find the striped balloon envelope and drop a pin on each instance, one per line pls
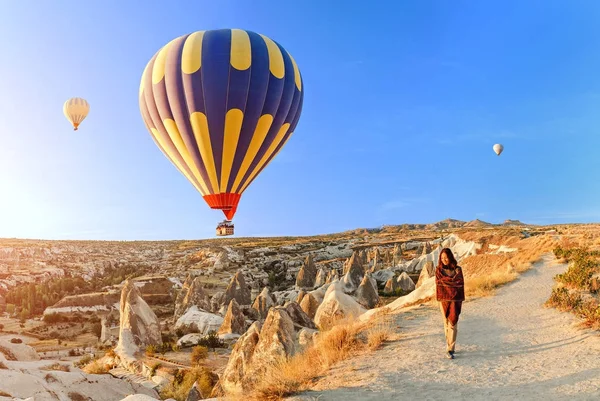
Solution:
(220, 105)
(76, 110)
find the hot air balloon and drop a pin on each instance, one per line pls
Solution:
(498, 148)
(76, 109)
(220, 104)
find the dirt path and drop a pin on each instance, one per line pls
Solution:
(509, 347)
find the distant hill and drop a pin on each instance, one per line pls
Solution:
(445, 224)
(509, 222)
(477, 223)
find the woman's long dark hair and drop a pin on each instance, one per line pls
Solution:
(451, 258)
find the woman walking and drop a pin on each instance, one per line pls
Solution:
(450, 292)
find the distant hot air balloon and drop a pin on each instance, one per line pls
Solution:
(76, 109)
(220, 105)
(498, 148)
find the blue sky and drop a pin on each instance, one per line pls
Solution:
(403, 103)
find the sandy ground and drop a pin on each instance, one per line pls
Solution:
(509, 347)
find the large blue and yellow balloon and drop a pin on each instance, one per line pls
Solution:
(220, 105)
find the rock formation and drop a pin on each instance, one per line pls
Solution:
(366, 294)
(354, 275)
(139, 325)
(321, 278)
(336, 305)
(427, 272)
(199, 321)
(263, 302)
(260, 347)
(309, 305)
(307, 275)
(192, 293)
(238, 290)
(234, 321)
(406, 283)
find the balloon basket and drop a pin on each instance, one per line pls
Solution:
(225, 228)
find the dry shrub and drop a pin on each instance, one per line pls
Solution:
(378, 335)
(183, 381)
(4, 394)
(96, 368)
(485, 285)
(57, 366)
(486, 272)
(295, 374)
(199, 353)
(3, 366)
(77, 397)
(50, 378)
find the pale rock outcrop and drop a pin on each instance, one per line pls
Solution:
(304, 280)
(238, 290)
(309, 305)
(301, 295)
(319, 293)
(405, 283)
(17, 351)
(377, 258)
(199, 320)
(428, 271)
(397, 255)
(240, 360)
(307, 274)
(354, 275)
(217, 300)
(382, 276)
(336, 305)
(192, 294)
(332, 276)
(234, 321)
(307, 336)
(321, 277)
(363, 257)
(30, 381)
(263, 302)
(222, 262)
(299, 317)
(353, 260)
(366, 294)
(260, 347)
(139, 326)
(426, 248)
(377, 265)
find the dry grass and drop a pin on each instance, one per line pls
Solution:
(96, 368)
(486, 272)
(3, 366)
(57, 366)
(342, 341)
(377, 336)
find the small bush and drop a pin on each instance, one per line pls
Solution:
(211, 341)
(583, 265)
(2, 365)
(96, 368)
(150, 350)
(58, 367)
(83, 361)
(154, 367)
(183, 381)
(16, 340)
(199, 353)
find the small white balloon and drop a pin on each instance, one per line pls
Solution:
(498, 148)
